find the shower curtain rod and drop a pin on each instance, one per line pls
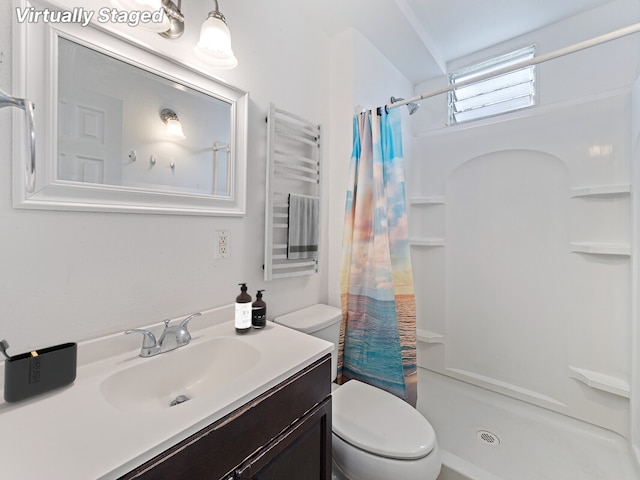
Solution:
(607, 37)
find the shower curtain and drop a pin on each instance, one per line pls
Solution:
(378, 331)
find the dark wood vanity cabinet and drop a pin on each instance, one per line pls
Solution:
(284, 434)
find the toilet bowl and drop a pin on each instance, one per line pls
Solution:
(376, 435)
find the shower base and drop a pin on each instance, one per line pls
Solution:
(484, 435)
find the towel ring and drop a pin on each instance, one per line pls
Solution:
(28, 106)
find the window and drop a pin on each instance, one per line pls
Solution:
(501, 94)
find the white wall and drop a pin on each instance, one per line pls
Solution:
(521, 312)
(360, 76)
(70, 276)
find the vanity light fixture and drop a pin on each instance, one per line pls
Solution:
(176, 19)
(214, 46)
(174, 127)
(172, 24)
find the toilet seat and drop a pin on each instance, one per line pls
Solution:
(380, 423)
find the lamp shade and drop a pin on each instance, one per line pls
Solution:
(214, 46)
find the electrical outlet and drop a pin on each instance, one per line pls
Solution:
(222, 244)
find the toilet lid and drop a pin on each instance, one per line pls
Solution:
(311, 319)
(380, 423)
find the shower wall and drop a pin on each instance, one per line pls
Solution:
(523, 229)
(635, 310)
(521, 238)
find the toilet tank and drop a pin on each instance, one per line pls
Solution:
(321, 321)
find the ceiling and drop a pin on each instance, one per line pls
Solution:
(421, 36)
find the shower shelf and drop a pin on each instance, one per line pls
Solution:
(601, 248)
(427, 336)
(428, 201)
(601, 191)
(600, 381)
(427, 242)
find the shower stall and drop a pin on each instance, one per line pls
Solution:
(522, 263)
(522, 233)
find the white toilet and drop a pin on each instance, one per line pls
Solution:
(376, 435)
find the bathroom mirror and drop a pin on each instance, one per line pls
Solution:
(119, 128)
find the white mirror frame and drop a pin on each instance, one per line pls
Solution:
(35, 78)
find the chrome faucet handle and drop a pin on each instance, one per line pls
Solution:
(184, 322)
(183, 337)
(149, 340)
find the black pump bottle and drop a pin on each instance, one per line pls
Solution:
(259, 311)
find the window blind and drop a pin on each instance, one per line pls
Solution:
(501, 94)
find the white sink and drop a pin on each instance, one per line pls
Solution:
(190, 371)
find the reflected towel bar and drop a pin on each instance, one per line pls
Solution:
(28, 106)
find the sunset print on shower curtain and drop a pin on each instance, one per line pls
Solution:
(378, 333)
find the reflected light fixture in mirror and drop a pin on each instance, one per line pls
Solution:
(214, 46)
(174, 127)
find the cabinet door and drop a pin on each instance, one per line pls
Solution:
(302, 452)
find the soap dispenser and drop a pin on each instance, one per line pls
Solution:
(259, 311)
(243, 310)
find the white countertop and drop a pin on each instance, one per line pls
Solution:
(76, 433)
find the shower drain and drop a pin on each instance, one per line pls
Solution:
(488, 438)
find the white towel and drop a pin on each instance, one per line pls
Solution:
(304, 217)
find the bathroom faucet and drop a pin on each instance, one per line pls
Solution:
(171, 338)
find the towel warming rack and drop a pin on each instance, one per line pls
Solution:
(294, 157)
